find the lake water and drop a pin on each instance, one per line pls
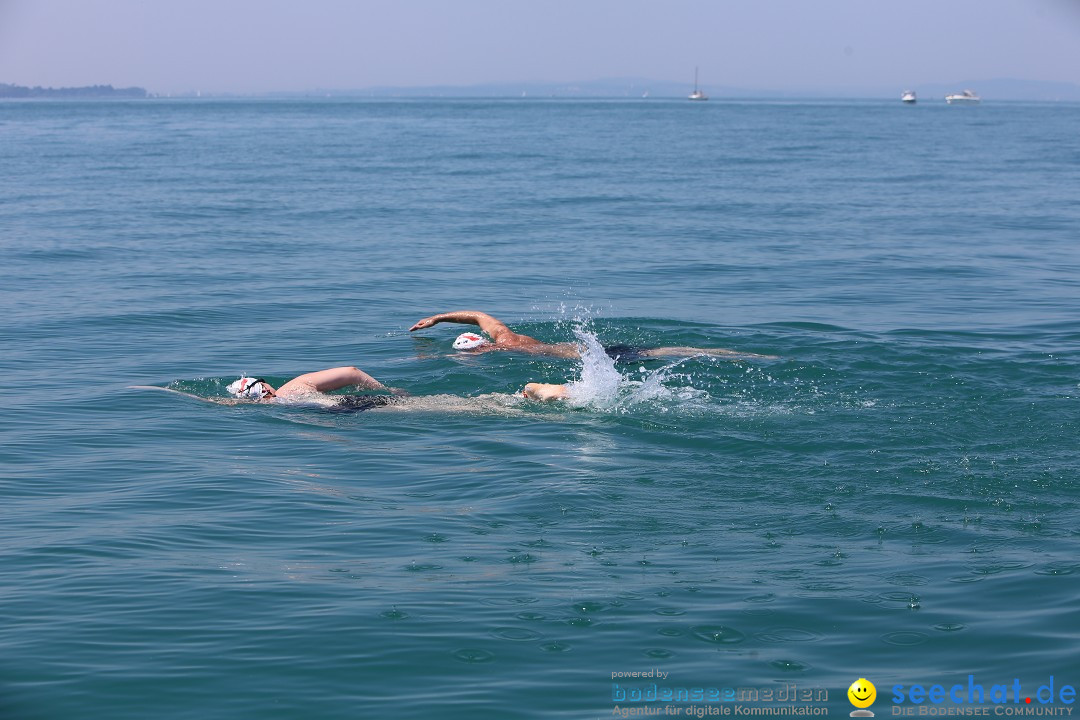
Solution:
(896, 497)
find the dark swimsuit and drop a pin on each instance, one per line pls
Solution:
(626, 353)
(360, 403)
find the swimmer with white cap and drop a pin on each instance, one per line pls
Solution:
(503, 338)
(304, 386)
(324, 381)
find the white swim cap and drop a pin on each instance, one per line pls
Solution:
(251, 388)
(469, 341)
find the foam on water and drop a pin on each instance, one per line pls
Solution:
(487, 404)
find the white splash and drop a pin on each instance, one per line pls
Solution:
(599, 382)
(601, 386)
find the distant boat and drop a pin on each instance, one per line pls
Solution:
(908, 97)
(968, 97)
(697, 94)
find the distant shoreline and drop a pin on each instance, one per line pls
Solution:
(90, 91)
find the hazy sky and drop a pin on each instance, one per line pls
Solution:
(171, 46)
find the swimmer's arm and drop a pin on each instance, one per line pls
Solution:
(497, 329)
(332, 379)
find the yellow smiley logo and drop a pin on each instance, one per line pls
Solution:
(862, 693)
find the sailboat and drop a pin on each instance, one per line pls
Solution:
(697, 94)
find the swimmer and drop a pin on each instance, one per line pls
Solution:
(312, 386)
(500, 337)
(336, 378)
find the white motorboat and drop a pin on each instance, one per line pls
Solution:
(697, 94)
(908, 97)
(968, 97)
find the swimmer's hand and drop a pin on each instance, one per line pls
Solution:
(545, 392)
(400, 392)
(425, 323)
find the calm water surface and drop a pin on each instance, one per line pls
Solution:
(895, 497)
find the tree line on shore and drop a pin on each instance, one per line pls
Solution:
(90, 91)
